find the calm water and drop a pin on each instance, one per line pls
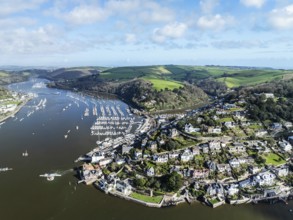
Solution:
(24, 195)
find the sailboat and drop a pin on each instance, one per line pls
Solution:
(25, 154)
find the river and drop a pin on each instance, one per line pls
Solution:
(25, 195)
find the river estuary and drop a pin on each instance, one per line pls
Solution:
(25, 195)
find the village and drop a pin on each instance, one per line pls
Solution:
(215, 154)
(11, 103)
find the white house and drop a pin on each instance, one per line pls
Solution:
(265, 179)
(190, 129)
(237, 148)
(195, 150)
(173, 155)
(285, 145)
(97, 157)
(123, 187)
(232, 189)
(186, 156)
(269, 95)
(223, 168)
(229, 124)
(234, 163)
(150, 172)
(162, 158)
(138, 154)
(282, 171)
(288, 124)
(215, 146)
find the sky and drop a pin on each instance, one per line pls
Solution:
(146, 32)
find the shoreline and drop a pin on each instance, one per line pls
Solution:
(19, 107)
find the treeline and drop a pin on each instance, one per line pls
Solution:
(212, 87)
(4, 93)
(262, 108)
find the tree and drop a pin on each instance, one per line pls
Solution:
(170, 145)
(173, 182)
(139, 182)
(260, 160)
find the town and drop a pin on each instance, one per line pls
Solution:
(215, 154)
(11, 103)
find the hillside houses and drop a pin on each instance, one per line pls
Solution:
(215, 146)
(285, 146)
(215, 130)
(190, 129)
(237, 148)
(186, 156)
(214, 151)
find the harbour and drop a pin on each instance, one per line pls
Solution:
(41, 135)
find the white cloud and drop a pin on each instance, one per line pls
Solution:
(282, 18)
(253, 3)
(130, 38)
(122, 6)
(86, 14)
(215, 22)
(157, 14)
(207, 6)
(42, 40)
(14, 6)
(131, 10)
(173, 30)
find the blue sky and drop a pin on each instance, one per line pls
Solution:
(146, 32)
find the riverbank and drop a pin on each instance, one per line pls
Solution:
(13, 113)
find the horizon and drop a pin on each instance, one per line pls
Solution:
(251, 33)
(11, 67)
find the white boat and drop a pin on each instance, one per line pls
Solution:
(25, 154)
(50, 176)
(5, 169)
(65, 136)
(76, 127)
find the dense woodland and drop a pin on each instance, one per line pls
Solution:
(139, 92)
(262, 108)
(212, 87)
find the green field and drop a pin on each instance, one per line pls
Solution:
(154, 199)
(161, 84)
(231, 76)
(253, 77)
(225, 120)
(3, 74)
(274, 159)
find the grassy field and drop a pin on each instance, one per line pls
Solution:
(252, 77)
(225, 120)
(231, 76)
(154, 199)
(274, 159)
(161, 84)
(3, 74)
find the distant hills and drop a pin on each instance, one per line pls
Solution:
(231, 76)
(157, 87)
